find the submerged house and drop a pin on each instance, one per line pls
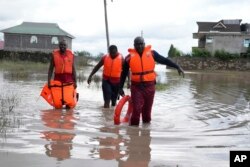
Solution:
(32, 37)
(228, 35)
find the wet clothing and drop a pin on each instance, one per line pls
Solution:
(112, 67)
(110, 91)
(142, 67)
(142, 92)
(142, 97)
(63, 66)
(111, 78)
(64, 78)
(110, 72)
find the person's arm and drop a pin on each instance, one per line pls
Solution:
(163, 60)
(50, 71)
(128, 83)
(74, 76)
(125, 70)
(96, 68)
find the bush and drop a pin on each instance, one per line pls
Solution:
(196, 52)
(25, 56)
(225, 56)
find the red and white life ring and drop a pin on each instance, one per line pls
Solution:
(118, 109)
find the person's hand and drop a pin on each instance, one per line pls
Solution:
(89, 80)
(181, 72)
(128, 85)
(75, 85)
(49, 85)
(121, 92)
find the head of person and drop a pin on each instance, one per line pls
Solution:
(62, 46)
(139, 44)
(113, 51)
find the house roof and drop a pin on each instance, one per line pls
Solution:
(37, 28)
(221, 26)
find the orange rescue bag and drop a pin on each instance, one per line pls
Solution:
(60, 94)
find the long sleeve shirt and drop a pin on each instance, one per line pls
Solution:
(157, 57)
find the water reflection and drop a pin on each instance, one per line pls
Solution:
(196, 121)
(130, 150)
(222, 102)
(129, 146)
(220, 88)
(109, 147)
(59, 133)
(138, 151)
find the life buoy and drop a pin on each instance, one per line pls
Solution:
(118, 110)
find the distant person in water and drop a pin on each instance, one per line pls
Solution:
(112, 63)
(141, 62)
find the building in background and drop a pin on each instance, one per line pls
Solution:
(1, 45)
(228, 35)
(35, 37)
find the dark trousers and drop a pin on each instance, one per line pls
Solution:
(142, 98)
(110, 92)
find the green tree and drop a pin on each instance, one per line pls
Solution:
(173, 52)
(83, 53)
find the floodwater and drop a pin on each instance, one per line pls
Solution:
(196, 121)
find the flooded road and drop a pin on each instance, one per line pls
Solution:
(196, 121)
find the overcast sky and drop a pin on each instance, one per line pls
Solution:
(162, 22)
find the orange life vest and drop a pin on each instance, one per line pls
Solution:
(60, 94)
(63, 63)
(112, 67)
(142, 67)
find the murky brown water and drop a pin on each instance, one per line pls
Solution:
(196, 122)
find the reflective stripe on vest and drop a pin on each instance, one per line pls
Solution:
(142, 67)
(63, 63)
(112, 67)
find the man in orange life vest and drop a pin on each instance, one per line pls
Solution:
(63, 62)
(141, 61)
(112, 63)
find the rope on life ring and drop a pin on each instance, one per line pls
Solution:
(118, 110)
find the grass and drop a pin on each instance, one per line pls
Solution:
(23, 66)
(161, 86)
(8, 119)
(81, 77)
(22, 69)
(97, 79)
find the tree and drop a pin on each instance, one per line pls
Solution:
(83, 53)
(173, 52)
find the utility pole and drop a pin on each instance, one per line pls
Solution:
(106, 22)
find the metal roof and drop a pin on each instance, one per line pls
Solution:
(221, 26)
(37, 28)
